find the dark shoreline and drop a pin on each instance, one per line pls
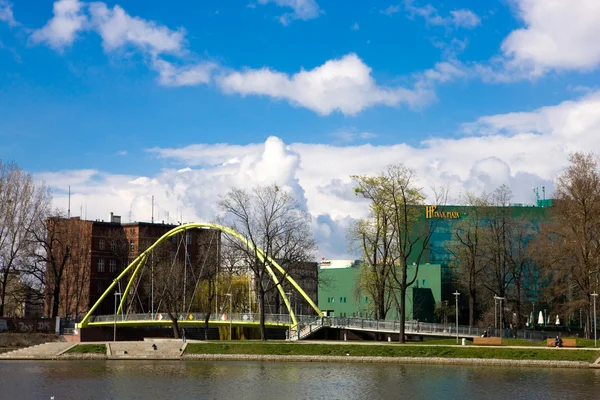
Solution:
(326, 359)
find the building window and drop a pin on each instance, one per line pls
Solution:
(424, 282)
(112, 264)
(188, 238)
(188, 258)
(101, 244)
(113, 245)
(341, 299)
(131, 245)
(101, 265)
(344, 299)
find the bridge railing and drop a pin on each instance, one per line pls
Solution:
(409, 326)
(307, 322)
(237, 317)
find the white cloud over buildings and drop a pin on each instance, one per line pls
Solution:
(521, 150)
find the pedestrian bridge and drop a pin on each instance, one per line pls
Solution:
(306, 324)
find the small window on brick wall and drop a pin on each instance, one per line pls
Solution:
(112, 265)
(101, 265)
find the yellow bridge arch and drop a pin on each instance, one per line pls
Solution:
(139, 261)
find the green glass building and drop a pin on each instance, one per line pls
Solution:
(337, 278)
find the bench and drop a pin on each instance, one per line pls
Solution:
(487, 341)
(565, 342)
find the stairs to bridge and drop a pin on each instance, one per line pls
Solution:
(40, 351)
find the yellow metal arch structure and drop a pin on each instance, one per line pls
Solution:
(139, 261)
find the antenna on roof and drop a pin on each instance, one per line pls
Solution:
(69, 210)
(544, 192)
(537, 194)
(152, 209)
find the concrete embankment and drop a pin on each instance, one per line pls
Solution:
(391, 360)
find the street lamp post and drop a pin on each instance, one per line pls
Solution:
(456, 294)
(117, 294)
(289, 294)
(499, 312)
(594, 295)
(230, 315)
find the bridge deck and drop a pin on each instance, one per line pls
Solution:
(306, 324)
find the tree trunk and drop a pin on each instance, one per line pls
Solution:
(174, 325)
(471, 308)
(3, 294)
(56, 299)
(403, 305)
(381, 311)
(263, 329)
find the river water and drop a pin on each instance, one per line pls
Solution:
(237, 380)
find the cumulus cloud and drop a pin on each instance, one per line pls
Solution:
(521, 150)
(61, 30)
(557, 35)
(302, 9)
(6, 13)
(344, 85)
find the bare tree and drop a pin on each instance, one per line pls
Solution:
(272, 220)
(59, 262)
(22, 204)
(467, 250)
(571, 241)
(373, 237)
(394, 192)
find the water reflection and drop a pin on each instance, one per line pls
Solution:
(260, 380)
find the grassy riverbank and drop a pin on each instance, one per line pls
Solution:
(88, 349)
(289, 349)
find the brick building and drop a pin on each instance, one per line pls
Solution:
(98, 252)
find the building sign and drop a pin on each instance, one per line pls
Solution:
(430, 212)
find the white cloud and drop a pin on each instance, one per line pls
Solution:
(355, 26)
(462, 18)
(118, 29)
(6, 13)
(187, 75)
(442, 72)
(521, 150)
(303, 9)
(557, 35)
(62, 29)
(465, 18)
(344, 85)
(393, 9)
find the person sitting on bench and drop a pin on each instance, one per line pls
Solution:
(557, 341)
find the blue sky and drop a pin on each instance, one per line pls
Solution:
(113, 98)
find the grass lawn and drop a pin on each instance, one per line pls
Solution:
(260, 348)
(88, 349)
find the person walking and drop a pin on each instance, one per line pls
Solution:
(183, 334)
